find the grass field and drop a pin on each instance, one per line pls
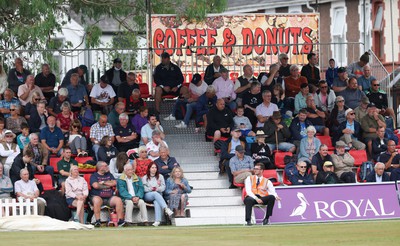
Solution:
(345, 233)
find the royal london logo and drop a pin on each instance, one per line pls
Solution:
(301, 209)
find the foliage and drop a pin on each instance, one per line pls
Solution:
(32, 24)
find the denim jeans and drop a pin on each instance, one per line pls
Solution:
(159, 203)
(189, 111)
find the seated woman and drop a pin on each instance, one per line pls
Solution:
(38, 118)
(134, 103)
(154, 186)
(260, 151)
(309, 146)
(300, 98)
(65, 118)
(140, 119)
(76, 192)
(142, 162)
(285, 105)
(117, 164)
(15, 121)
(106, 151)
(76, 141)
(31, 106)
(176, 192)
(337, 115)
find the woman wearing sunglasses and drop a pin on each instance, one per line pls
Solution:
(76, 141)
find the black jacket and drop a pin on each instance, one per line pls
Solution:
(16, 167)
(306, 72)
(372, 178)
(295, 128)
(168, 76)
(209, 73)
(110, 77)
(357, 130)
(219, 119)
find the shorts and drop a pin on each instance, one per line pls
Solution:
(245, 132)
(171, 93)
(70, 201)
(106, 200)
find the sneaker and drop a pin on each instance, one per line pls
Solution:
(170, 117)
(121, 223)
(266, 221)
(80, 154)
(196, 130)
(85, 154)
(169, 212)
(181, 125)
(157, 223)
(248, 223)
(97, 223)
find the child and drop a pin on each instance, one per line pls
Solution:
(23, 138)
(243, 123)
(331, 73)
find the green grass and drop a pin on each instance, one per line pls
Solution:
(344, 233)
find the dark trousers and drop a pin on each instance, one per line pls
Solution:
(348, 177)
(249, 202)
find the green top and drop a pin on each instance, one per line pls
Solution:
(64, 165)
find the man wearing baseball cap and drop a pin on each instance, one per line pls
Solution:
(241, 166)
(116, 75)
(327, 176)
(340, 83)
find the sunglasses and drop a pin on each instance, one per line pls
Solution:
(37, 99)
(324, 87)
(12, 109)
(143, 152)
(302, 166)
(340, 101)
(351, 113)
(376, 85)
(285, 58)
(257, 169)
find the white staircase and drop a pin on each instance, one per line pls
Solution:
(211, 202)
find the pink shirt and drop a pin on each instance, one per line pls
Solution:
(75, 187)
(224, 88)
(23, 88)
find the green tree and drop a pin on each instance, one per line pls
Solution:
(31, 24)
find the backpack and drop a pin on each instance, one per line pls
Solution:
(56, 206)
(366, 168)
(86, 117)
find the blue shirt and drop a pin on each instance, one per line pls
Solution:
(52, 138)
(104, 193)
(75, 94)
(6, 105)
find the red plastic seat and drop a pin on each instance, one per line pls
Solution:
(279, 156)
(83, 159)
(359, 156)
(358, 175)
(46, 181)
(53, 162)
(86, 131)
(272, 174)
(144, 90)
(237, 184)
(87, 176)
(326, 140)
(286, 181)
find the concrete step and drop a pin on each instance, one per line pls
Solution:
(203, 176)
(228, 220)
(197, 167)
(210, 184)
(214, 193)
(221, 211)
(215, 201)
(197, 159)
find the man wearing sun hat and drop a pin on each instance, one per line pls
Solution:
(327, 176)
(278, 133)
(8, 151)
(349, 131)
(260, 151)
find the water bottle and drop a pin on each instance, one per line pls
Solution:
(279, 205)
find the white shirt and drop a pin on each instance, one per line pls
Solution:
(263, 110)
(270, 187)
(9, 153)
(151, 146)
(24, 88)
(198, 90)
(27, 188)
(102, 94)
(378, 178)
(130, 186)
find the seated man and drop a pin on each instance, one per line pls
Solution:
(243, 83)
(379, 144)
(102, 96)
(259, 190)
(6, 186)
(125, 134)
(169, 79)
(17, 76)
(224, 88)
(319, 159)
(379, 98)
(344, 163)
(40, 156)
(327, 175)
(126, 89)
(364, 81)
(378, 175)
(63, 167)
(310, 71)
(98, 131)
(277, 131)
(213, 71)
(147, 130)
(350, 131)
(325, 97)
(391, 159)
(54, 107)
(113, 116)
(25, 91)
(101, 193)
(23, 160)
(340, 83)
(77, 94)
(165, 162)
(362, 110)
(131, 191)
(219, 121)
(116, 75)
(265, 109)
(301, 177)
(26, 188)
(352, 94)
(369, 124)
(240, 167)
(251, 99)
(204, 104)
(80, 75)
(46, 80)
(7, 102)
(8, 150)
(153, 147)
(316, 116)
(52, 137)
(134, 103)
(298, 127)
(228, 149)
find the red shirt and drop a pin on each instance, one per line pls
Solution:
(141, 167)
(64, 122)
